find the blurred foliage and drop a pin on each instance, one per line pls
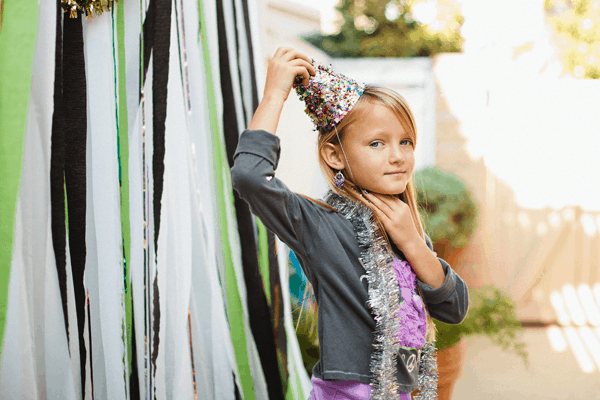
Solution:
(305, 317)
(396, 28)
(577, 23)
(492, 314)
(445, 203)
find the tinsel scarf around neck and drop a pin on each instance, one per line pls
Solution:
(384, 300)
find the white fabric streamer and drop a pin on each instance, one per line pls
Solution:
(175, 247)
(104, 266)
(243, 58)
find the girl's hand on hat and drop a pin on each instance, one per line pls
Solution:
(283, 69)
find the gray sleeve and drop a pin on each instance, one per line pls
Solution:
(448, 303)
(253, 177)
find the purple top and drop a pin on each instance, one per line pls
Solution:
(344, 390)
(413, 320)
(411, 333)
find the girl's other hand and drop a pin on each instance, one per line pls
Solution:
(283, 69)
(396, 218)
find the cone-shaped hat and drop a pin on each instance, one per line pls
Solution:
(329, 96)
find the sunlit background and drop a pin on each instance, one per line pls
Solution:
(514, 115)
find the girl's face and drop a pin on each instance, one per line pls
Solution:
(379, 150)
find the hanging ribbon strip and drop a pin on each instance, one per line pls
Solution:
(68, 166)
(123, 156)
(157, 37)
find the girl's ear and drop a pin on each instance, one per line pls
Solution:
(332, 156)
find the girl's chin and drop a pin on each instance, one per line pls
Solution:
(391, 189)
(388, 192)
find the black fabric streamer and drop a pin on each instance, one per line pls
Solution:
(156, 324)
(57, 170)
(258, 308)
(68, 166)
(251, 55)
(160, 68)
(230, 122)
(239, 71)
(157, 42)
(148, 37)
(75, 129)
(134, 383)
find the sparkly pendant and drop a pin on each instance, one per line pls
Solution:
(339, 179)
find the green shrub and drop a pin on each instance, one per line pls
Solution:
(396, 28)
(492, 314)
(446, 207)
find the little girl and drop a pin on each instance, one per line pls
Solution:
(375, 277)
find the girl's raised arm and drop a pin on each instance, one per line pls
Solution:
(283, 69)
(257, 154)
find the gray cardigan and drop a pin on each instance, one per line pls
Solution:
(325, 244)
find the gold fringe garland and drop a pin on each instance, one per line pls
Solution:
(91, 8)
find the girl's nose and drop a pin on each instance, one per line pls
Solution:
(396, 155)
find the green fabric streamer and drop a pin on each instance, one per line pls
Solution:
(17, 44)
(224, 193)
(263, 258)
(123, 143)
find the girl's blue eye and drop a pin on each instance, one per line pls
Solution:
(375, 144)
(406, 142)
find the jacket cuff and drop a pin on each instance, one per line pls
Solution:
(260, 143)
(436, 296)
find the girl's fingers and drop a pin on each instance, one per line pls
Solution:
(295, 55)
(376, 210)
(377, 201)
(391, 201)
(302, 63)
(289, 55)
(379, 213)
(304, 72)
(303, 57)
(281, 51)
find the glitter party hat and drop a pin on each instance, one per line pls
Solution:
(328, 96)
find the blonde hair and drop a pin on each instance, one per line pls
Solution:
(373, 95)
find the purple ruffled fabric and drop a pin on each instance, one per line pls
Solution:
(344, 390)
(413, 320)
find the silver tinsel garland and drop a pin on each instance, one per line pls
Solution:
(377, 257)
(428, 373)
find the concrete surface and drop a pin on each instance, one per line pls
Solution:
(492, 374)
